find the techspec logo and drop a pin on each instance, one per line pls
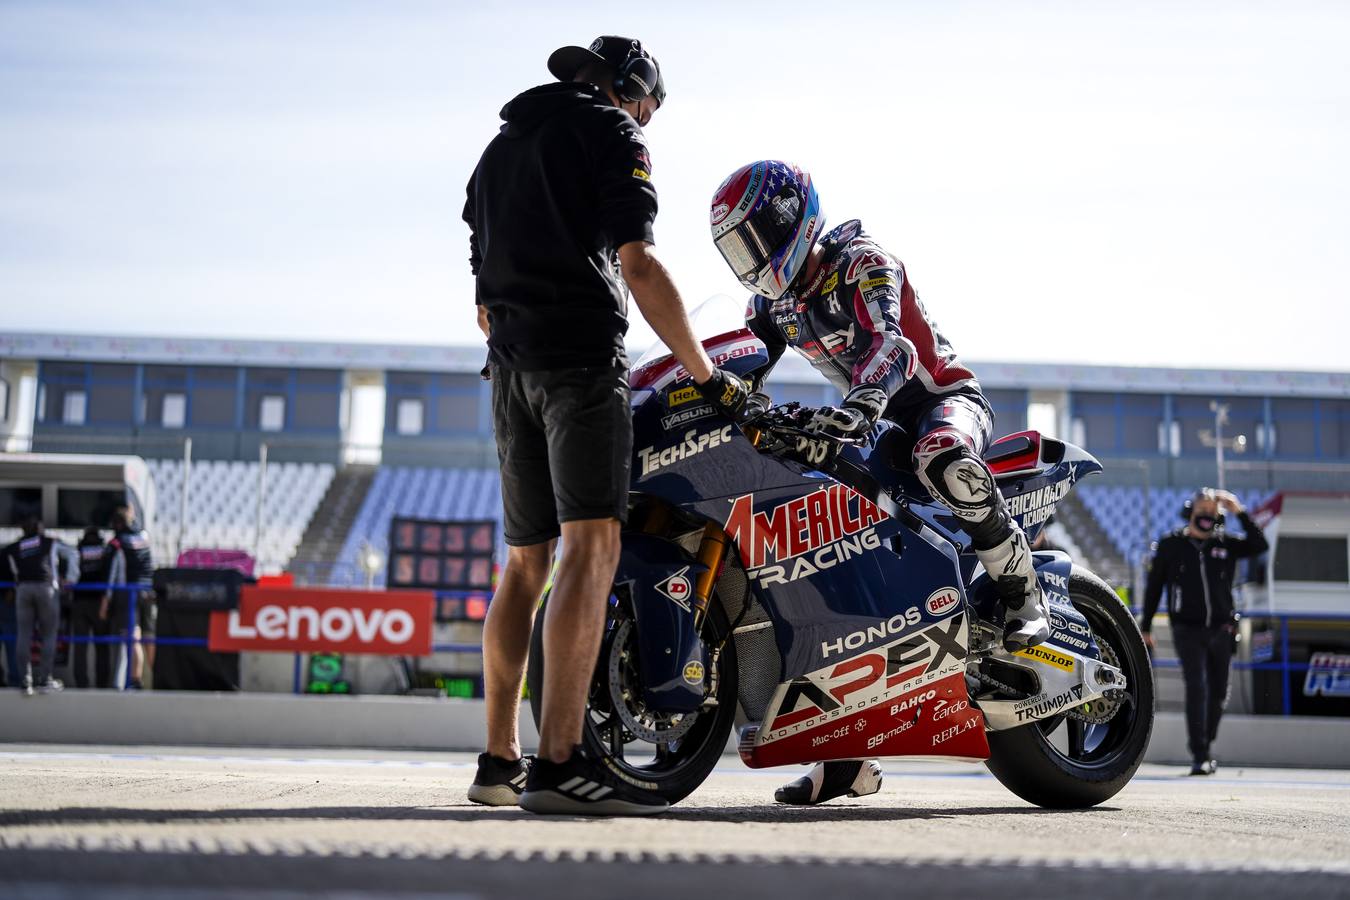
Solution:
(805, 535)
(328, 621)
(879, 675)
(693, 443)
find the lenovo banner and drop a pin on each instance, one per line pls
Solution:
(310, 620)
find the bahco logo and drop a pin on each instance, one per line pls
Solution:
(305, 620)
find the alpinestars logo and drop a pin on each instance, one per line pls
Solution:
(852, 685)
(813, 532)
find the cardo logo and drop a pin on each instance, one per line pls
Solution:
(335, 625)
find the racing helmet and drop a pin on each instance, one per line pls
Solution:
(765, 219)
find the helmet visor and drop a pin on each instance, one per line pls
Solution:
(751, 244)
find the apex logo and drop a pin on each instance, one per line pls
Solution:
(852, 685)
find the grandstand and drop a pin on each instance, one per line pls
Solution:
(332, 488)
(223, 508)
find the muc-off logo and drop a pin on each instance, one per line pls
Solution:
(804, 535)
(850, 686)
(1035, 507)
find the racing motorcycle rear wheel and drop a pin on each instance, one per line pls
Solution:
(1077, 761)
(670, 754)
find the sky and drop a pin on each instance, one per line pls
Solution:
(1143, 183)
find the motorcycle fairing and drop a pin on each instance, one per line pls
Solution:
(660, 577)
(903, 698)
(1069, 631)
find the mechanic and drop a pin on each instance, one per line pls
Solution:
(39, 564)
(90, 607)
(562, 190)
(1196, 564)
(133, 565)
(847, 305)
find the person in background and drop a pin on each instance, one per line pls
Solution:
(1196, 564)
(39, 564)
(90, 610)
(131, 564)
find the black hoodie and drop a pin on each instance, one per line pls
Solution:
(565, 184)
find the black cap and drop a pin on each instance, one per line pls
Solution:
(608, 49)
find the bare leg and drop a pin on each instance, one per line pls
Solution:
(137, 655)
(506, 642)
(573, 627)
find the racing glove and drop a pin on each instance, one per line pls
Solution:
(860, 411)
(869, 400)
(727, 392)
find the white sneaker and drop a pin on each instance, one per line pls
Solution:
(51, 686)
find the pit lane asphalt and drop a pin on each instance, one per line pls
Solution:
(196, 823)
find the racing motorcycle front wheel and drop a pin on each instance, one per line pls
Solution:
(1085, 756)
(669, 754)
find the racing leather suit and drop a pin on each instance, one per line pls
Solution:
(860, 323)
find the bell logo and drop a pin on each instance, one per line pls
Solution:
(943, 601)
(308, 620)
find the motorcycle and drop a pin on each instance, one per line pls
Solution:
(837, 611)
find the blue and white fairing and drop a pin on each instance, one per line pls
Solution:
(826, 561)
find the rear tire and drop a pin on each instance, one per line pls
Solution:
(1027, 760)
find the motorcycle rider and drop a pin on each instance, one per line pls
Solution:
(848, 306)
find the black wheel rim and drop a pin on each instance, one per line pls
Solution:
(1099, 745)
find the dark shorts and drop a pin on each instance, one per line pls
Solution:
(565, 444)
(147, 611)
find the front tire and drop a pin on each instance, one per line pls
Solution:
(673, 768)
(1064, 763)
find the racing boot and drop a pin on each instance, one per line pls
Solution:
(827, 780)
(1026, 620)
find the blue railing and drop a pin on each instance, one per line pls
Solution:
(1284, 666)
(128, 639)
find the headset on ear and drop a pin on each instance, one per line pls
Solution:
(637, 74)
(1202, 494)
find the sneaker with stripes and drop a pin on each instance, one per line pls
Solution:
(584, 787)
(499, 782)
